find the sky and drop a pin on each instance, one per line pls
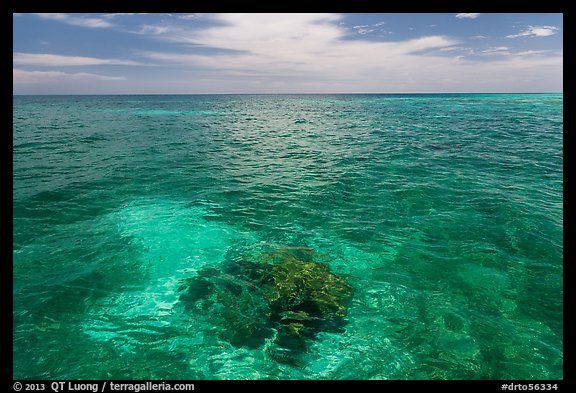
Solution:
(139, 53)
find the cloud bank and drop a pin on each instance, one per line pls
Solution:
(51, 60)
(306, 52)
(23, 76)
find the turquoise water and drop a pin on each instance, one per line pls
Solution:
(443, 212)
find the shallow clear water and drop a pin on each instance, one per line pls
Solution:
(444, 212)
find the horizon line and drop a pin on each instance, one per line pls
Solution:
(278, 94)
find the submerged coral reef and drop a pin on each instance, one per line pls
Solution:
(277, 297)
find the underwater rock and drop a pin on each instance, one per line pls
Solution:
(306, 288)
(281, 296)
(234, 301)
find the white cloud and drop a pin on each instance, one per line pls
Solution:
(453, 48)
(497, 50)
(536, 31)
(188, 16)
(23, 76)
(75, 20)
(50, 60)
(84, 75)
(531, 52)
(467, 16)
(114, 15)
(308, 53)
(293, 44)
(365, 29)
(504, 50)
(154, 30)
(20, 76)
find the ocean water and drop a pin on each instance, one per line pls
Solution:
(444, 212)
